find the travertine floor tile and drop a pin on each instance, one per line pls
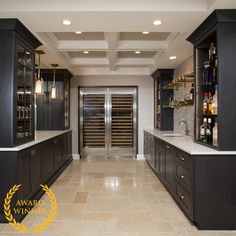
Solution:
(112, 198)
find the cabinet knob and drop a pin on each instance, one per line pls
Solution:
(167, 146)
(182, 158)
(55, 141)
(33, 152)
(182, 176)
(182, 197)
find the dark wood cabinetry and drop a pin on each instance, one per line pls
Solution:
(38, 164)
(214, 59)
(163, 115)
(169, 155)
(54, 114)
(16, 83)
(202, 185)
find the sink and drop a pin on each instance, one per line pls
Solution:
(172, 135)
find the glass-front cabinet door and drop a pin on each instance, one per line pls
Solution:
(24, 93)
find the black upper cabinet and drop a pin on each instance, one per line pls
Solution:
(54, 114)
(163, 115)
(215, 83)
(17, 54)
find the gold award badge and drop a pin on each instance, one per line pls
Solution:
(21, 227)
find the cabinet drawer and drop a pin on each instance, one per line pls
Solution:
(184, 158)
(183, 175)
(184, 199)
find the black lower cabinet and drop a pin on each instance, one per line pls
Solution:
(38, 164)
(201, 185)
(170, 154)
(48, 159)
(24, 161)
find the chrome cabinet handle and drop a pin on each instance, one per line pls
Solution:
(182, 197)
(182, 176)
(167, 146)
(182, 158)
(55, 141)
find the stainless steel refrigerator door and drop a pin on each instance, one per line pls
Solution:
(108, 122)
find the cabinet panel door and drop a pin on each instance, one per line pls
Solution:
(36, 174)
(48, 162)
(58, 148)
(151, 148)
(162, 161)
(24, 174)
(157, 156)
(170, 156)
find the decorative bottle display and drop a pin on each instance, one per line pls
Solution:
(208, 129)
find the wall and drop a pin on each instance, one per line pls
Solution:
(145, 101)
(188, 112)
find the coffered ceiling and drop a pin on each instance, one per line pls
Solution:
(112, 41)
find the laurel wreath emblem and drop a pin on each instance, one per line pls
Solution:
(21, 227)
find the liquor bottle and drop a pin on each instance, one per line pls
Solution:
(207, 75)
(205, 104)
(215, 135)
(210, 104)
(203, 127)
(212, 55)
(209, 131)
(215, 101)
(192, 93)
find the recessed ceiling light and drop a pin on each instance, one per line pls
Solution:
(78, 32)
(86, 52)
(146, 32)
(137, 52)
(66, 22)
(172, 57)
(157, 22)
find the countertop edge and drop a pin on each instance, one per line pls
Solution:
(40, 136)
(187, 145)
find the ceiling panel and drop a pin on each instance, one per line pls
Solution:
(91, 54)
(132, 54)
(159, 36)
(83, 36)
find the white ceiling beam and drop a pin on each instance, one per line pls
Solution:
(112, 39)
(128, 45)
(50, 42)
(135, 62)
(96, 71)
(80, 45)
(89, 61)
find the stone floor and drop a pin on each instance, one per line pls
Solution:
(112, 198)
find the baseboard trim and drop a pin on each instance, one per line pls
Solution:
(140, 157)
(76, 156)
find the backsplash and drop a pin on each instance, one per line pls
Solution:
(185, 113)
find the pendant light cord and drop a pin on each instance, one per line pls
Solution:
(39, 67)
(54, 76)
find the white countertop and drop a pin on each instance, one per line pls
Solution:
(187, 144)
(40, 136)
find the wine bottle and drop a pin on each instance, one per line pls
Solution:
(212, 55)
(205, 104)
(192, 93)
(210, 104)
(203, 127)
(209, 131)
(215, 101)
(215, 135)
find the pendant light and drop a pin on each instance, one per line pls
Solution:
(39, 83)
(53, 92)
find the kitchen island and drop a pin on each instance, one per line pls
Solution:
(37, 162)
(200, 179)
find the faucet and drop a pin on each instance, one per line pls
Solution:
(186, 131)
